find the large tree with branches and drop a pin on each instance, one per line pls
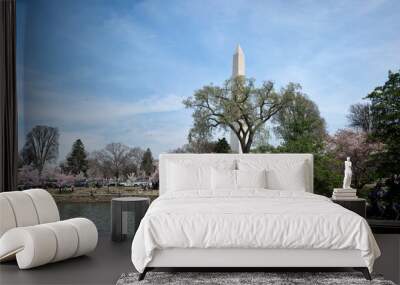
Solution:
(360, 117)
(41, 146)
(238, 105)
(112, 159)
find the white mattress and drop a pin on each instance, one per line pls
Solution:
(253, 219)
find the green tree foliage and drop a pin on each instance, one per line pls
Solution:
(327, 174)
(222, 146)
(200, 136)
(265, 148)
(147, 162)
(238, 106)
(41, 146)
(299, 124)
(262, 141)
(385, 109)
(302, 130)
(77, 161)
(384, 199)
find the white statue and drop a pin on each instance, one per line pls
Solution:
(347, 174)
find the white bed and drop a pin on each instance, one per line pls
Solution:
(201, 223)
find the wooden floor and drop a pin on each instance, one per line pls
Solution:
(111, 259)
(103, 266)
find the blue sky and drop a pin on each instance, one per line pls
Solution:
(117, 71)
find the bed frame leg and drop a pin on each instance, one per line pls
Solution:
(142, 275)
(364, 271)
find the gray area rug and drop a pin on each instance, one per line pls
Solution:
(225, 278)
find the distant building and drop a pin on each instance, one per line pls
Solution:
(238, 68)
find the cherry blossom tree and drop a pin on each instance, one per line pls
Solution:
(28, 177)
(347, 142)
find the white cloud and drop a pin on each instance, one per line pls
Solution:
(159, 137)
(90, 110)
(91, 140)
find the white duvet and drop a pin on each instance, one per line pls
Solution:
(250, 219)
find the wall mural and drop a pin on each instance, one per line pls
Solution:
(104, 87)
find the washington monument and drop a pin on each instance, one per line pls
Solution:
(238, 68)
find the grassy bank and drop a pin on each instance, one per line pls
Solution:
(103, 194)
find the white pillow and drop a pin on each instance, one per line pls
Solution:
(292, 180)
(282, 173)
(188, 177)
(193, 174)
(251, 178)
(223, 179)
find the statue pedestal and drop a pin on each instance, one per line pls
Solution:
(344, 190)
(344, 194)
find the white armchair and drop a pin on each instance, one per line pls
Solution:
(31, 230)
